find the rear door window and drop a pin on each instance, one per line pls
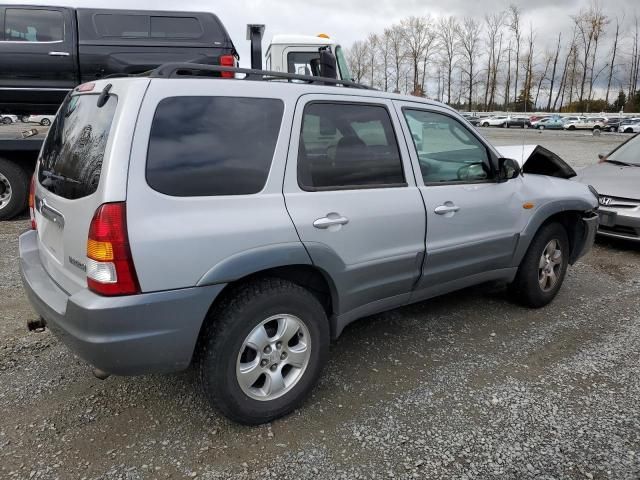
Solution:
(345, 145)
(73, 152)
(206, 146)
(33, 25)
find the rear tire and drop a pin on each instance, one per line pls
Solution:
(231, 353)
(542, 270)
(14, 189)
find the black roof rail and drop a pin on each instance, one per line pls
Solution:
(181, 70)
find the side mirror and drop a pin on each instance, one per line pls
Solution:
(602, 157)
(328, 63)
(508, 169)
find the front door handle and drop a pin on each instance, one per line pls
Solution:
(59, 54)
(444, 209)
(330, 220)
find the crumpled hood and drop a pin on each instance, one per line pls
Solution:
(537, 160)
(612, 180)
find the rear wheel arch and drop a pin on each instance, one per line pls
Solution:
(309, 277)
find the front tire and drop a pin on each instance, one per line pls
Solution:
(263, 351)
(543, 268)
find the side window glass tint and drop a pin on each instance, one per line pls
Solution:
(175, 27)
(33, 25)
(348, 146)
(447, 151)
(205, 146)
(118, 25)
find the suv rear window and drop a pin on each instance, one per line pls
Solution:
(72, 154)
(205, 146)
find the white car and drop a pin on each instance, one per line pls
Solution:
(630, 127)
(44, 120)
(7, 119)
(498, 121)
(586, 123)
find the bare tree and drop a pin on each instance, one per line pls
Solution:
(418, 39)
(507, 84)
(384, 47)
(357, 58)
(372, 54)
(514, 24)
(396, 43)
(494, 24)
(543, 77)
(448, 43)
(590, 25)
(469, 37)
(553, 72)
(612, 65)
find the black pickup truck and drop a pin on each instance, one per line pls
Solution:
(46, 51)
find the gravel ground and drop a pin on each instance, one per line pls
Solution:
(463, 386)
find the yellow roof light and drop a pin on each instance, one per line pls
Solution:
(323, 35)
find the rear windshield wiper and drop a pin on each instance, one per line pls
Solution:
(55, 176)
(618, 162)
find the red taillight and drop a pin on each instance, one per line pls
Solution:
(227, 61)
(32, 202)
(110, 269)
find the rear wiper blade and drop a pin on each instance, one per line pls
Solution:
(55, 176)
(618, 162)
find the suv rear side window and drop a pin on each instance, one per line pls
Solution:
(22, 25)
(72, 154)
(346, 145)
(205, 146)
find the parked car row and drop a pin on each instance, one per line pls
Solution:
(44, 120)
(557, 122)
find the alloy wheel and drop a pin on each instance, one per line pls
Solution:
(5, 191)
(273, 357)
(550, 266)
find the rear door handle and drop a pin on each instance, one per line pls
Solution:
(59, 54)
(330, 221)
(444, 209)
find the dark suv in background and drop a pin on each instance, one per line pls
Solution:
(47, 51)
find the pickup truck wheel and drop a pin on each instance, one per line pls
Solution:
(543, 268)
(263, 351)
(14, 189)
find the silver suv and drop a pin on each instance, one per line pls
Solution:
(241, 224)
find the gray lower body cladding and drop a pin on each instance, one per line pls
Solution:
(130, 335)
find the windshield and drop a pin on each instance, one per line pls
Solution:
(628, 152)
(345, 74)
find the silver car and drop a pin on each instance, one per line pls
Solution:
(242, 224)
(617, 180)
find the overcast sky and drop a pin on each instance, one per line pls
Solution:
(349, 20)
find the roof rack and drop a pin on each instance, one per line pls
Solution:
(181, 70)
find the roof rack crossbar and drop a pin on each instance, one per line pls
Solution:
(174, 70)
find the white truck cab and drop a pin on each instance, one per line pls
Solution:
(293, 54)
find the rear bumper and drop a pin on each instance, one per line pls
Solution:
(130, 335)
